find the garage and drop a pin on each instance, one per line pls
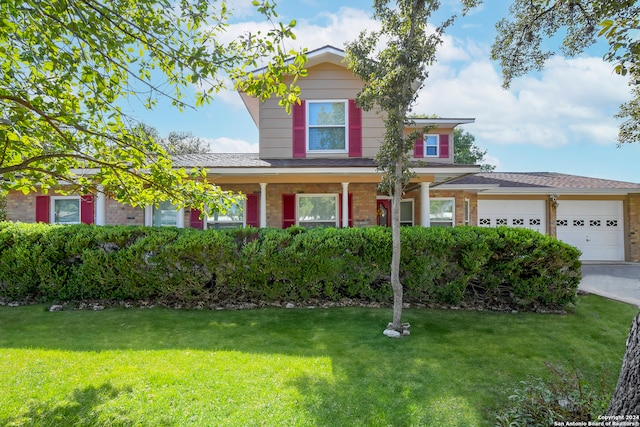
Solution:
(596, 227)
(513, 213)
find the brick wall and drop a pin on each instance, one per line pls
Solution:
(121, 214)
(21, 207)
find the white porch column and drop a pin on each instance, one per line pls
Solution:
(148, 216)
(425, 205)
(345, 204)
(263, 204)
(101, 207)
(180, 218)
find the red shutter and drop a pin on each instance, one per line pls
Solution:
(252, 210)
(350, 214)
(87, 215)
(355, 130)
(418, 148)
(299, 137)
(194, 219)
(288, 210)
(444, 146)
(42, 209)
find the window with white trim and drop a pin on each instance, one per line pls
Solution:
(442, 212)
(234, 217)
(317, 210)
(406, 213)
(327, 126)
(65, 210)
(431, 145)
(164, 215)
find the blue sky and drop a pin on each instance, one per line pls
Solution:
(558, 120)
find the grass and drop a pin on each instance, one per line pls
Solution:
(295, 367)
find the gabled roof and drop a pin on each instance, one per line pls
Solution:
(326, 53)
(333, 55)
(539, 182)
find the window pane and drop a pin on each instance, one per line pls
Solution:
(326, 139)
(234, 217)
(66, 211)
(165, 215)
(316, 211)
(327, 126)
(441, 210)
(326, 113)
(406, 212)
(431, 145)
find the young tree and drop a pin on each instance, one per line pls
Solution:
(66, 65)
(392, 77)
(465, 151)
(518, 45)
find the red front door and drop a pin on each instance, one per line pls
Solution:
(384, 213)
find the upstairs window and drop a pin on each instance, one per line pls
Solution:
(327, 126)
(431, 144)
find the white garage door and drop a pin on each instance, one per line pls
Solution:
(594, 227)
(513, 213)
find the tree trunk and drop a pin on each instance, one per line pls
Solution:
(395, 256)
(626, 397)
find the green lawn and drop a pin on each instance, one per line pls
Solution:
(287, 367)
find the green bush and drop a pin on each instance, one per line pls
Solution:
(493, 268)
(567, 395)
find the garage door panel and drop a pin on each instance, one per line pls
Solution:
(513, 213)
(594, 227)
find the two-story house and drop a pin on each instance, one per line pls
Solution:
(316, 167)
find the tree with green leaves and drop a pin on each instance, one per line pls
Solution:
(66, 67)
(392, 77)
(466, 152)
(175, 143)
(534, 23)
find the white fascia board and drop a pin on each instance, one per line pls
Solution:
(289, 171)
(332, 171)
(562, 191)
(444, 121)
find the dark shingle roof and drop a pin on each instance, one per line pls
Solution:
(541, 180)
(252, 160)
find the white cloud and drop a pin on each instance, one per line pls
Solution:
(571, 100)
(333, 28)
(230, 145)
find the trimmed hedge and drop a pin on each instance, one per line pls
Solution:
(492, 268)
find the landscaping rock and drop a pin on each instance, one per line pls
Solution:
(392, 333)
(290, 305)
(56, 308)
(395, 333)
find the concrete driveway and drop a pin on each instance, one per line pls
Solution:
(618, 281)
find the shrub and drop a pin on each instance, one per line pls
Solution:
(565, 396)
(494, 268)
